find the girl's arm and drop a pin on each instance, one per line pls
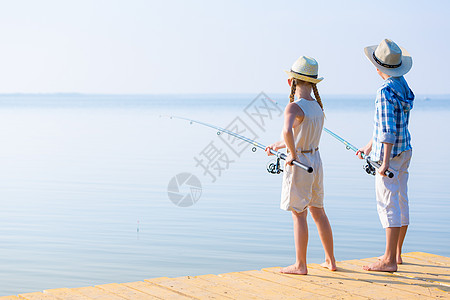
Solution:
(291, 112)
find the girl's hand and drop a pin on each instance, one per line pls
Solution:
(290, 158)
(273, 147)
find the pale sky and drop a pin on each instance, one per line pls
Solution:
(153, 47)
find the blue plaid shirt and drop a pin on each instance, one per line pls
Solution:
(392, 107)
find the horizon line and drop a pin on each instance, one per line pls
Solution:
(180, 94)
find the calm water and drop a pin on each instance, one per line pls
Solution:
(84, 181)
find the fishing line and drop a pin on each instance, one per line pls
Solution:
(274, 169)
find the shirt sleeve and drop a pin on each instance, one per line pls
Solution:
(386, 116)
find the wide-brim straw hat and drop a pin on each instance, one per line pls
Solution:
(305, 68)
(389, 58)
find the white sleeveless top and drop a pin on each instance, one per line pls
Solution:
(307, 134)
(301, 189)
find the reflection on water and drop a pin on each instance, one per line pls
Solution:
(83, 189)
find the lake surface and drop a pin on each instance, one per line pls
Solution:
(84, 184)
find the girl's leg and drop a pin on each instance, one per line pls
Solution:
(326, 236)
(301, 243)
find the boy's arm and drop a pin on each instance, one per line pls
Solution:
(386, 158)
(386, 117)
(365, 150)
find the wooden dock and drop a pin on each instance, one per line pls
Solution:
(421, 276)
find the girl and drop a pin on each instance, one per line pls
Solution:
(303, 123)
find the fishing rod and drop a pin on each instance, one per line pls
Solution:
(370, 166)
(272, 168)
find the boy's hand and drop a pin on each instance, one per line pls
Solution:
(383, 168)
(364, 150)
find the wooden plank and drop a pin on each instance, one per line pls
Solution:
(214, 287)
(437, 259)
(184, 286)
(337, 280)
(246, 291)
(334, 280)
(271, 289)
(404, 285)
(155, 290)
(437, 268)
(66, 294)
(420, 272)
(96, 293)
(322, 290)
(37, 296)
(431, 289)
(420, 266)
(125, 292)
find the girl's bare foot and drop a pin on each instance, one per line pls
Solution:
(381, 266)
(295, 269)
(399, 259)
(329, 265)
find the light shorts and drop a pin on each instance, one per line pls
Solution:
(392, 193)
(301, 189)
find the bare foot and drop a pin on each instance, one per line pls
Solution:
(399, 259)
(329, 265)
(381, 266)
(295, 269)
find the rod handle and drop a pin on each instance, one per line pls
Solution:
(389, 174)
(298, 164)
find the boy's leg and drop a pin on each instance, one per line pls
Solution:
(388, 262)
(390, 213)
(301, 243)
(401, 238)
(403, 198)
(326, 236)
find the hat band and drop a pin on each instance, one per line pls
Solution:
(311, 76)
(385, 65)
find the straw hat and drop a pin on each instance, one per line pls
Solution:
(305, 68)
(389, 58)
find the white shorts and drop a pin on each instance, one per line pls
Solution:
(392, 193)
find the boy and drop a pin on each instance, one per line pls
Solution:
(391, 146)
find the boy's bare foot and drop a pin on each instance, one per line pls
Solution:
(399, 259)
(295, 269)
(381, 266)
(329, 265)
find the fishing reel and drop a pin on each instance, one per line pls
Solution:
(274, 167)
(369, 168)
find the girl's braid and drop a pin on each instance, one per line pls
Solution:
(293, 88)
(316, 94)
